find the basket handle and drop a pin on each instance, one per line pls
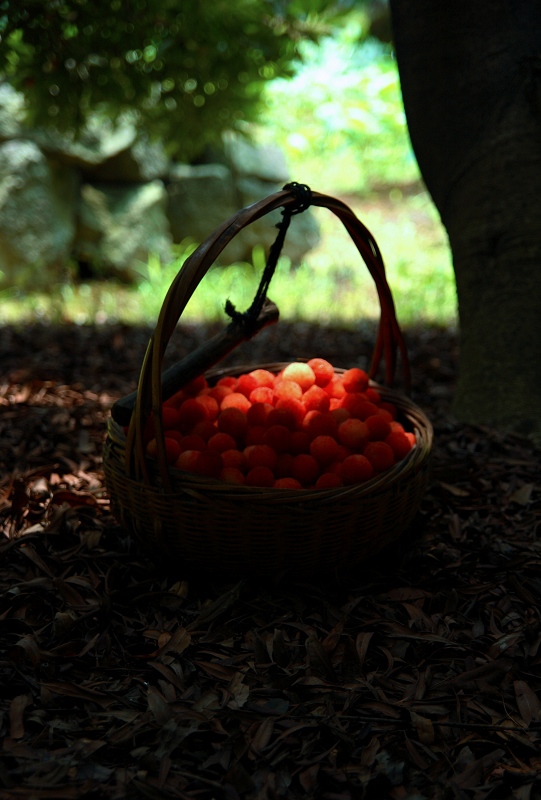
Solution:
(149, 392)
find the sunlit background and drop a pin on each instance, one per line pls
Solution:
(340, 123)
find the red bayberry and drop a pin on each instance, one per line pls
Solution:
(353, 433)
(210, 404)
(356, 469)
(324, 449)
(232, 475)
(236, 400)
(399, 443)
(316, 399)
(305, 469)
(233, 421)
(192, 442)
(286, 483)
(196, 386)
(190, 413)
(323, 371)
(380, 455)
(355, 380)
(378, 427)
(262, 394)
(258, 413)
(301, 373)
(278, 437)
(335, 389)
(236, 459)
(246, 384)
(255, 434)
(316, 423)
(288, 412)
(329, 480)
(260, 476)
(261, 455)
(284, 465)
(285, 390)
(221, 442)
(205, 429)
(263, 377)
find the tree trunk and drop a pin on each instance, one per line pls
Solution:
(471, 83)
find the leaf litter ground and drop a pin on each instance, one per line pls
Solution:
(417, 677)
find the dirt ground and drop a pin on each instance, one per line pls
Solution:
(416, 677)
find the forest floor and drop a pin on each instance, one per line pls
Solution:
(416, 677)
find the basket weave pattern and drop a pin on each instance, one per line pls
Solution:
(193, 521)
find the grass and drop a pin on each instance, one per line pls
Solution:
(344, 133)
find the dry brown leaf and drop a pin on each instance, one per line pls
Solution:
(527, 701)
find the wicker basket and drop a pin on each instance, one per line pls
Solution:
(193, 522)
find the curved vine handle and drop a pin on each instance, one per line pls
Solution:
(149, 392)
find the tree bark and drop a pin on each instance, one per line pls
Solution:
(471, 83)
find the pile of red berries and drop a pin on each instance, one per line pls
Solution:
(306, 427)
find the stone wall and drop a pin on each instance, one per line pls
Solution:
(110, 198)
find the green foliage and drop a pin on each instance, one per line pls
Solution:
(182, 70)
(340, 119)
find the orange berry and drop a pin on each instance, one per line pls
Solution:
(262, 394)
(399, 443)
(329, 480)
(378, 428)
(355, 380)
(260, 476)
(232, 475)
(196, 386)
(356, 469)
(353, 433)
(286, 483)
(236, 400)
(323, 370)
(236, 459)
(324, 449)
(192, 442)
(258, 413)
(261, 455)
(380, 455)
(301, 373)
(316, 399)
(233, 421)
(221, 442)
(305, 469)
(278, 437)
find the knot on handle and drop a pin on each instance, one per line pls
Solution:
(248, 318)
